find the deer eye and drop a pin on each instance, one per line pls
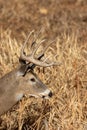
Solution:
(32, 79)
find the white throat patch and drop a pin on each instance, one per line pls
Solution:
(18, 96)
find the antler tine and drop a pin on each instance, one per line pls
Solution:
(47, 47)
(36, 37)
(42, 53)
(38, 34)
(38, 45)
(22, 49)
(52, 63)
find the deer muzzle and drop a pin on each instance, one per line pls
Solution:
(46, 94)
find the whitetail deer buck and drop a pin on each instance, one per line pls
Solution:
(23, 80)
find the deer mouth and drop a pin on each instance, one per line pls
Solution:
(45, 95)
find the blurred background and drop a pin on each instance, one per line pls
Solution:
(57, 16)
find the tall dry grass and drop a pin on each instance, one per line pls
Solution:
(67, 109)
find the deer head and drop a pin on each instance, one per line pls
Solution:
(23, 80)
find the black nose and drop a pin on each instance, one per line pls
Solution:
(43, 96)
(50, 94)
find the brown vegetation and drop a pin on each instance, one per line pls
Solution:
(67, 109)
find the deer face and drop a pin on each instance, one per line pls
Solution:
(38, 88)
(33, 86)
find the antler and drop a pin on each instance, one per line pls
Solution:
(31, 57)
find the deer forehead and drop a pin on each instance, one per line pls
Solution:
(29, 75)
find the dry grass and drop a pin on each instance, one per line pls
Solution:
(67, 109)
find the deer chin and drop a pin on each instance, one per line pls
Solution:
(44, 95)
(33, 95)
(38, 96)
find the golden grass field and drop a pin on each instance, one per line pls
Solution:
(67, 109)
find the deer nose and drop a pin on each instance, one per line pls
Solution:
(50, 94)
(46, 94)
